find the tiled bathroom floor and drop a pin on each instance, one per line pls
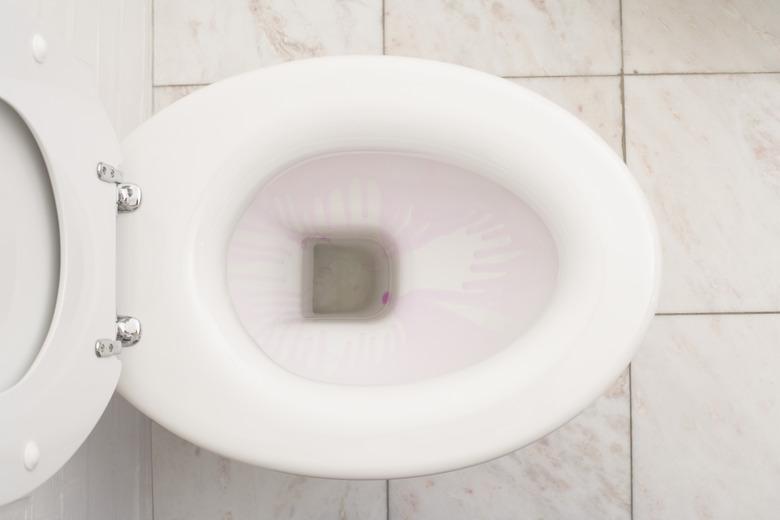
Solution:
(689, 93)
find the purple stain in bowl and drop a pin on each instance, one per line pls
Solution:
(385, 297)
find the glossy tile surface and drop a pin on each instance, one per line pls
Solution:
(701, 36)
(706, 150)
(706, 418)
(201, 41)
(509, 38)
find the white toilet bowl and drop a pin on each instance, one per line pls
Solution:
(352, 267)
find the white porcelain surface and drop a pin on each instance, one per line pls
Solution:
(205, 40)
(706, 419)
(517, 38)
(701, 36)
(706, 150)
(194, 484)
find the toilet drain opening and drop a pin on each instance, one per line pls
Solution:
(346, 277)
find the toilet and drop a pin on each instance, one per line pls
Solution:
(350, 267)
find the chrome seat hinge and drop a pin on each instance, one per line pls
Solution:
(128, 333)
(107, 347)
(128, 196)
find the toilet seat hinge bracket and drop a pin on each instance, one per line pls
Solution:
(128, 196)
(128, 333)
(107, 347)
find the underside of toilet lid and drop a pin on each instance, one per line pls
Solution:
(198, 372)
(50, 411)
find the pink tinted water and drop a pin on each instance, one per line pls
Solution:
(474, 267)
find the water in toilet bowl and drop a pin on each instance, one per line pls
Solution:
(387, 268)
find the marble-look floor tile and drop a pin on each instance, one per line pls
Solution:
(580, 471)
(706, 420)
(201, 41)
(194, 484)
(706, 150)
(701, 36)
(509, 38)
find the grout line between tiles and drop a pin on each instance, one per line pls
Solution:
(718, 313)
(536, 76)
(387, 499)
(631, 440)
(631, 75)
(384, 35)
(181, 85)
(152, 50)
(384, 51)
(725, 73)
(151, 466)
(630, 375)
(623, 147)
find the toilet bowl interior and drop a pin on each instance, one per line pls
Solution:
(384, 268)
(441, 175)
(29, 241)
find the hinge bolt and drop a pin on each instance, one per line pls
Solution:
(128, 197)
(128, 333)
(128, 330)
(107, 347)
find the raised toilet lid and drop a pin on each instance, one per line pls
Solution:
(47, 413)
(198, 372)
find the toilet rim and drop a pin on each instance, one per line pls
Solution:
(232, 399)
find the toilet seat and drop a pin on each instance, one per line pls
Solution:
(47, 414)
(198, 373)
